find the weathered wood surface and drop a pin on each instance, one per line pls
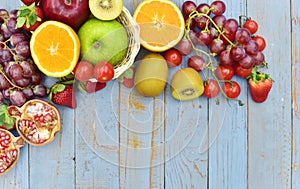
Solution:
(118, 139)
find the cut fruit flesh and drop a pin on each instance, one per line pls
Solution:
(186, 84)
(106, 9)
(161, 24)
(55, 48)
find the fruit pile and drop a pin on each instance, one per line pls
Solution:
(20, 79)
(217, 48)
(37, 122)
(83, 46)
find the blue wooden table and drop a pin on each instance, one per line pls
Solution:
(118, 139)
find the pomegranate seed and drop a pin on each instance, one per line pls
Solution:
(4, 140)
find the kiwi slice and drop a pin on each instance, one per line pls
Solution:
(186, 84)
(106, 9)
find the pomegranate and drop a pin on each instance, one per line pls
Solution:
(37, 121)
(9, 150)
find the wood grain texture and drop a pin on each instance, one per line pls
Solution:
(18, 176)
(295, 21)
(118, 139)
(96, 152)
(228, 130)
(141, 139)
(270, 123)
(56, 158)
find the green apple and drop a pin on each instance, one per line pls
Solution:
(103, 41)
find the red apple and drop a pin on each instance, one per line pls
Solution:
(70, 12)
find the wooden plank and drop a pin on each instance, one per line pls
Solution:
(228, 130)
(186, 157)
(141, 136)
(97, 140)
(186, 123)
(295, 18)
(270, 122)
(141, 139)
(55, 160)
(18, 176)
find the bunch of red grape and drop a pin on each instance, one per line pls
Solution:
(230, 41)
(20, 79)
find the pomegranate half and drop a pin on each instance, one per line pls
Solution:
(37, 121)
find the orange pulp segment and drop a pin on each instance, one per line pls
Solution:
(161, 24)
(55, 48)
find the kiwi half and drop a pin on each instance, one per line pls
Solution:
(106, 9)
(186, 84)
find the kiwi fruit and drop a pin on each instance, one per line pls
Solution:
(151, 75)
(106, 9)
(186, 84)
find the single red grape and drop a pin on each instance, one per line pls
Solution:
(231, 89)
(185, 47)
(246, 62)
(224, 72)
(211, 88)
(188, 7)
(196, 62)
(203, 8)
(173, 57)
(225, 58)
(251, 25)
(204, 38)
(218, 7)
(260, 41)
(242, 36)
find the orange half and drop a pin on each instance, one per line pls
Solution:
(55, 48)
(161, 24)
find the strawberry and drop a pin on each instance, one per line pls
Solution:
(127, 78)
(29, 2)
(62, 94)
(91, 87)
(260, 85)
(29, 17)
(6, 122)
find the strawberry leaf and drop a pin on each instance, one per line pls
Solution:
(24, 12)
(27, 15)
(20, 22)
(59, 88)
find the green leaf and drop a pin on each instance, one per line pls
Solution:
(24, 12)
(5, 119)
(27, 23)
(59, 88)
(23, 8)
(68, 82)
(2, 117)
(50, 96)
(20, 22)
(32, 19)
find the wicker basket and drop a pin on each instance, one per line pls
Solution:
(133, 33)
